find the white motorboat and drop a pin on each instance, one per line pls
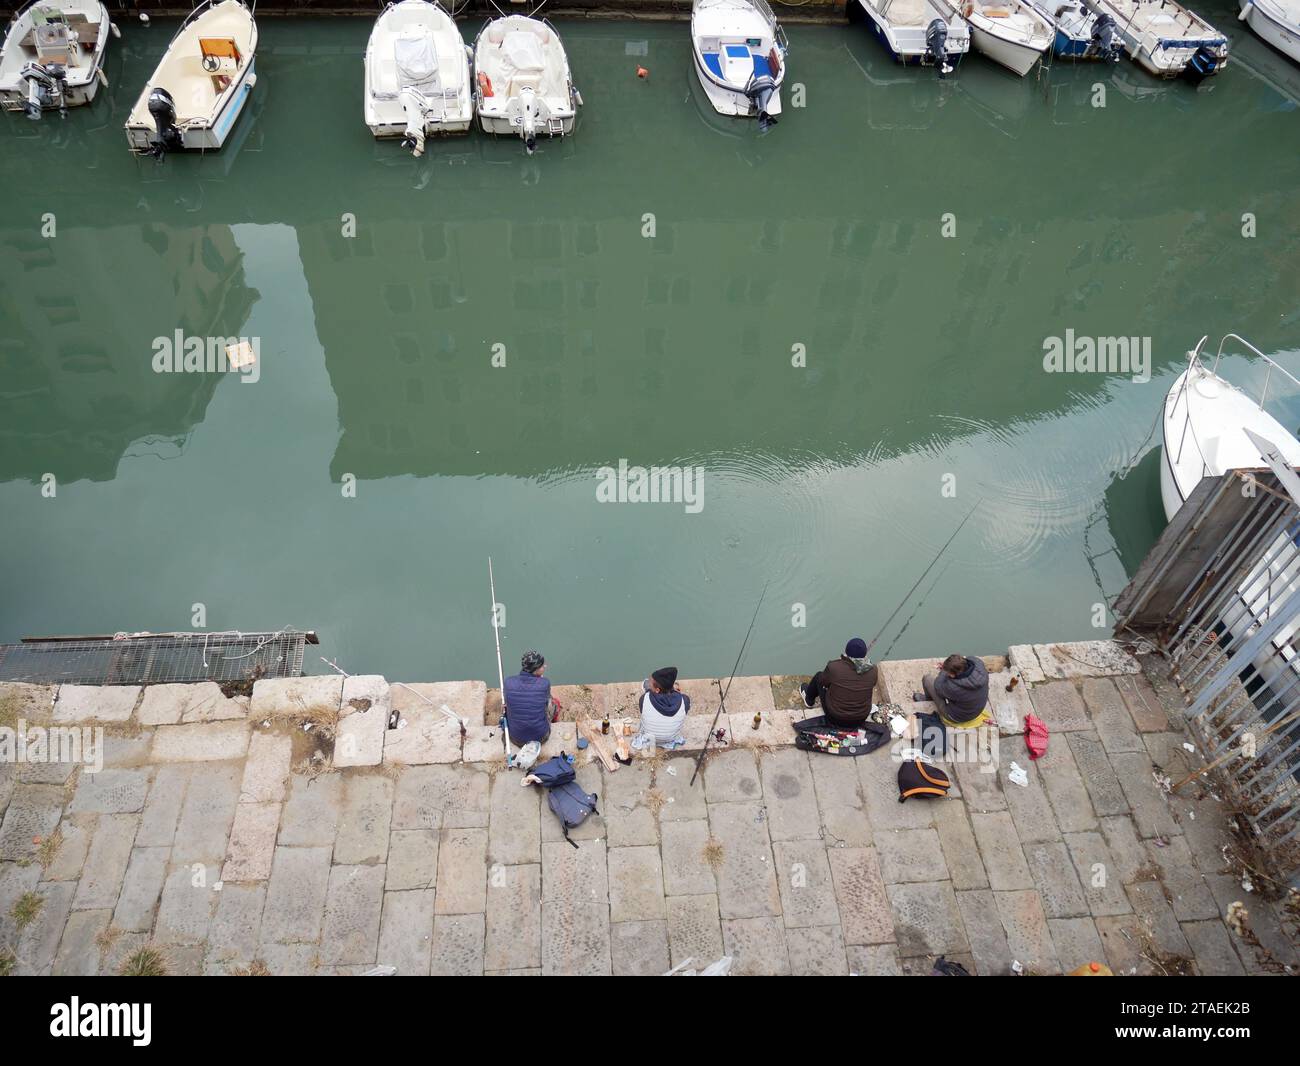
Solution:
(1205, 423)
(200, 86)
(53, 55)
(1165, 38)
(1080, 33)
(740, 56)
(524, 87)
(417, 75)
(1011, 32)
(1275, 21)
(927, 32)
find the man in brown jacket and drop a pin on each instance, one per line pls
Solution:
(845, 686)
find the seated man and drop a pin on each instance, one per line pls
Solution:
(960, 690)
(663, 708)
(844, 686)
(527, 700)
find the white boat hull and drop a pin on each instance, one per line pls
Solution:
(1282, 35)
(524, 87)
(1016, 57)
(907, 43)
(208, 100)
(445, 102)
(82, 82)
(727, 101)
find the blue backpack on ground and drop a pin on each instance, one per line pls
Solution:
(564, 796)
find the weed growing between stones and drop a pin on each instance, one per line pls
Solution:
(26, 908)
(713, 853)
(49, 848)
(7, 962)
(144, 962)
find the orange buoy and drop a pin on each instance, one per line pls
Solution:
(641, 72)
(1092, 969)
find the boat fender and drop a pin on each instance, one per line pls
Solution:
(103, 78)
(1245, 10)
(112, 28)
(252, 80)
(484, 84)
(774, 62)
(144, 19)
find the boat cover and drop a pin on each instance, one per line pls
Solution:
(417, 59)
(523, 52)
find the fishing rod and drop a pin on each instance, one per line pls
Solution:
(917, 609)
(501, 678)
(924, 572)
(722, 693)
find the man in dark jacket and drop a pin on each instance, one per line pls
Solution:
(527, 699)
(844, 686)
(960, 690)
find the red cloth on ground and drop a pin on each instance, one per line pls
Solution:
(1035, 736)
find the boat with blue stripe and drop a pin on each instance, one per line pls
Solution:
(739, 53)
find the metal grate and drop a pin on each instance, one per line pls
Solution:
(155, 658)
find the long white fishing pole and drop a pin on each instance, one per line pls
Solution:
(501, 678)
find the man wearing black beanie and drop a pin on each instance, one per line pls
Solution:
(845, 687)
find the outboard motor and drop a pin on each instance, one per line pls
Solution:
(413, 107)
(936, 45)
(528, 117)
(1202, 64)
(1106, 44)
(759, 90)
(45, 86)
(162, 108)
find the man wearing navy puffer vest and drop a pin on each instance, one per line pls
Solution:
(527, 700)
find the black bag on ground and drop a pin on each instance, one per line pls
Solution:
(817, 734)
(570, 804)
(917, 778)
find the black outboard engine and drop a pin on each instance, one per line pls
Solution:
(45, 88)
(1105, 41)
(1202, 64)
(936, 45)
(760, 90)
(163, 110)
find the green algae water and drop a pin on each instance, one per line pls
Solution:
(840, 323)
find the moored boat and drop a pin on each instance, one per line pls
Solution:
(524, 85)
(1080, 33)
(53, 55)
(1276, 22)
(417, 75)
(1165, 38)
(739, 52)
(201, 84)
(1011, 32)
(927, 32)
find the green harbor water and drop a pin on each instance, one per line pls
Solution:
(836, 482)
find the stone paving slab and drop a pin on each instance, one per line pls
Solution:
(694, 929)
(201, 742)
(457, 948)
(363, 721)
(353, 901)
(639, 949)
(300, 698)
(95, 703)
(465, 699)
(513, 918)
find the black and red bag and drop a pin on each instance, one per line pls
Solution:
(917, 778)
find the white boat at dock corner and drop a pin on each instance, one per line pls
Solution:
(739, 53)
(201, 84)
(1013, 33)
(928, 32)
(1165, 38)
(417, 75)
(524, 86)
(1080, 33)
(53, 55)
(1205, 424)
(1276, 22)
